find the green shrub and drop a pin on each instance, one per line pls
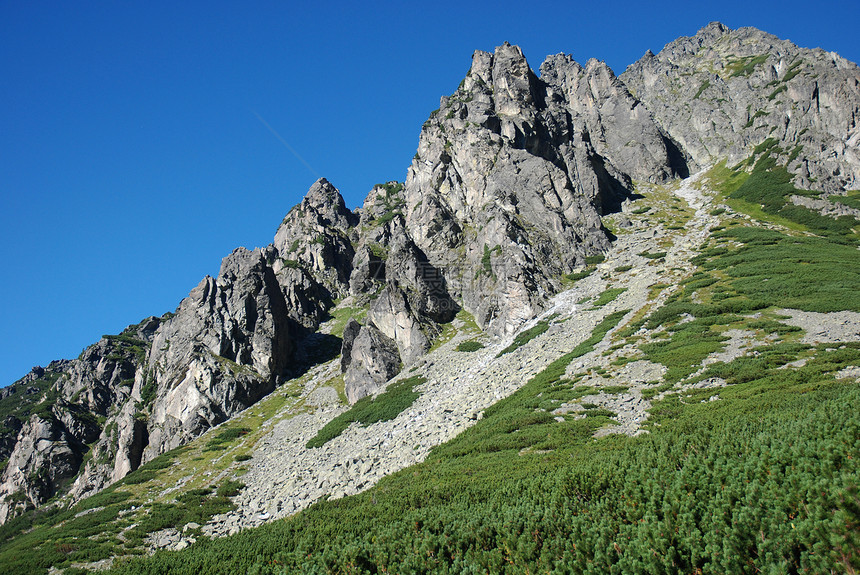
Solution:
(769, 185)
(469, 346)
(608, 296)
(230, 488)
(397, 397)
(148, 390)
(744, 66)
(653, 256)
(808, 273)
(524, 337)
(672, 501)
(579, 275)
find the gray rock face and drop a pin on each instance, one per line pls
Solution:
(375, 360)
(43, 459)
(47, 449)
(722, 92)
(506, 190)
(350, 332)
(622, 130)
(226, 347)
(393, 315)
(315, 235)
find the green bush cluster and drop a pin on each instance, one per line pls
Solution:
(21, 404)
(808, 273)
(768, 269)
(397, 397)
(851, 199)
(769, 185)
(526, 336)
(90, 531)
(575, 276)
(608, 296)
(470, 346)
(744, 66)
(224, 437)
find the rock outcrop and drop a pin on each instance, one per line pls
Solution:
(66, 412)
(513, 172)
(722, 92)
(374, 360)
(315, 235)
(227, 346)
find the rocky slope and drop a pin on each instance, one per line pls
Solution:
(515, 180)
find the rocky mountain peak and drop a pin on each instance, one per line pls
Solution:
(502, 203)
(513, 86)
(315, 236)
(713, 31)
(721, 93)
(326, 202)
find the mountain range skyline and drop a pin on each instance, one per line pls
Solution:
(143, 145)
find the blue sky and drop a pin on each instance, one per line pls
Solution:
(135, 149)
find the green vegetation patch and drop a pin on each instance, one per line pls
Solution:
(397, 397)
(575, 276)
(608, 296)
(521, 420)
(769, 186)
(526, 336)
(807, 273)
(470, 346)
(851, 199)
(26, 399)
(195, 505)
(226, 436)
(744, 66)
(150, 470)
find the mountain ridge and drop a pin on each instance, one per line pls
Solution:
(511, 195)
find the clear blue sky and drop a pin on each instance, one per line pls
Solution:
(133, 149)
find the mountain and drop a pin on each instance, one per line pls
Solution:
(720, 93)
(581, 271)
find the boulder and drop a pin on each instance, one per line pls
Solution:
(374, 361)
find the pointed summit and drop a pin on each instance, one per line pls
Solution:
(326, 205)
(323, 195)
(714, 30)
